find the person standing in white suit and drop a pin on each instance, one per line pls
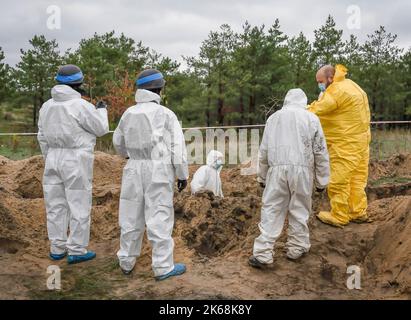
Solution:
(68, 127)
(150, 135)
(293, 157)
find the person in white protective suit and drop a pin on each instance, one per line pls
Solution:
(207, 178)
(151, 137)
(68, 127)
(293, 156)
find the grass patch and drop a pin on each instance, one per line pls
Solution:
(83, 282)
(386, 141)
(84, 288)
(19, 153)
(389, 180)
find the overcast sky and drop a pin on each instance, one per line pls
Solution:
(176, 28)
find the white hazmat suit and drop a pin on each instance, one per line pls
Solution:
(68, 127)
(151, 136)
(293, 155)
(207, 178)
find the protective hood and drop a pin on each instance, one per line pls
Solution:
(207, 178)
(295, 98)
(340, 72)
(144, 96)
(64, 93)
(212, 158)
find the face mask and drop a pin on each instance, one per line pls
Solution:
(218, 164)
(322, 87)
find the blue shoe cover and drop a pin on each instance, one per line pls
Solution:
(79, 259)
(57, 257)
(179, 269)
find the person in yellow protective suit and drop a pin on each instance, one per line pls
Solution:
(345, 117)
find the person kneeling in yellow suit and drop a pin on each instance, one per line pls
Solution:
(345, 117)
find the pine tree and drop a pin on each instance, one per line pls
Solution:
(36, 71)
(406, 82)
(328, 44)
(379, 74)
(4, 77)
(212, 67)
(105, 58)
(302, 64)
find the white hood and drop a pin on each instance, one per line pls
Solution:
(295, 98)
(212, 158)
(144, 96)
(207, 178)
(64, 93)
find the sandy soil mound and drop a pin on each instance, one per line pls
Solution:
(390, 257)
(22, 208)
(214, 237)
(390, 177)
(398, 165)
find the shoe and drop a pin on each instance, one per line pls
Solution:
(253, 262)
(57, 257)
(295, 255)
(83, 258)
(179, 269)
(327, 218)
(127, 273)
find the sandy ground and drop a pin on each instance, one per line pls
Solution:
(214, 238)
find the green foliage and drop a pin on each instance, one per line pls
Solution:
(4, 78)
(301, 62)
(379, 75)
(36, 71)
(237, 78)
(212, 68)
(104, 58)
(260, 62)
(328, 44)
(406, 81)
(390, 181)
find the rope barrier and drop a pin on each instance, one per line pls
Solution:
(214, 128)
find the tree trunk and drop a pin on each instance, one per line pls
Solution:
(208, 105)
(298, 81)
(220, 104)
(242, 107)
(251, 108)
(34, 111)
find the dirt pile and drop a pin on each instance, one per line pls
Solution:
(22, 211)
(215, 236)
(390, 256)
(390, 178)
(397, 166)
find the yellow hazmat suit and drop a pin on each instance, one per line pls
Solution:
(345, 117)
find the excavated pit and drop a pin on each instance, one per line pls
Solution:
(212, 234)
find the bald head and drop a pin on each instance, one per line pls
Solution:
(327, 71)
(326, 75)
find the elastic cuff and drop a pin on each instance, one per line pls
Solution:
(160, 272)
